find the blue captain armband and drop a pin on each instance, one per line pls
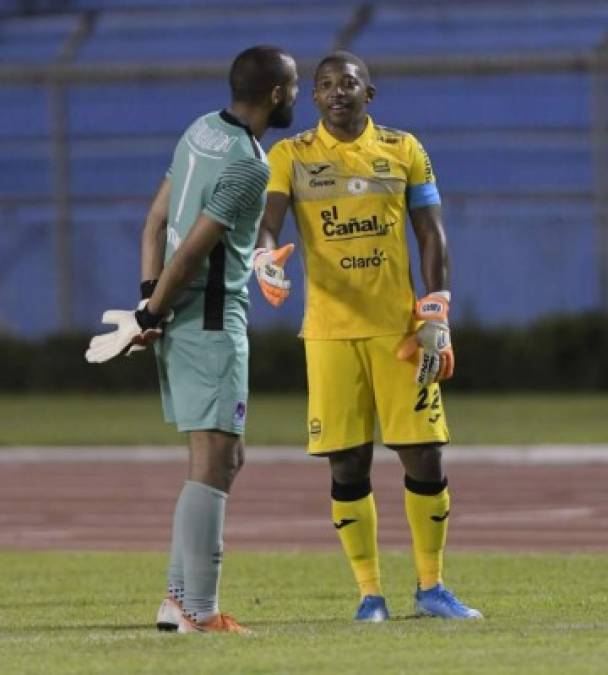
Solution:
(425, 194)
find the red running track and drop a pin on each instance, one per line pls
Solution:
(126, 505)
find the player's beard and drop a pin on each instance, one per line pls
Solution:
(281, 116)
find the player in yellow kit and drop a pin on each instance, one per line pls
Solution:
(372, 349)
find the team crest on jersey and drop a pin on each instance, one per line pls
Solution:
(314, 428)
(381, 166)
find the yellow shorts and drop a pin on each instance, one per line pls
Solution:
(352, 381)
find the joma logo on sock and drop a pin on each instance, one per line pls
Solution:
(439, 519)
(345, 521)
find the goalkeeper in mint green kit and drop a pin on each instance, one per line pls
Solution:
(197, 257)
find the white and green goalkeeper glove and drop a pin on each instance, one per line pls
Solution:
(430, 346)
(135, 330)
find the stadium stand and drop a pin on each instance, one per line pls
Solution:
(151, 36)
(36, 39)
(483, 29)
(512, 152)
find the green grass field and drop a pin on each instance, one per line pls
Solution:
(86, 613)
(127, 420)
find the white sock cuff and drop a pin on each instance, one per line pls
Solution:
(195, 485)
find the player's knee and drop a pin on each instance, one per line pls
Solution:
(423, 462)
(215, 458)
(351, 466)
(230, 457)
(239, 457)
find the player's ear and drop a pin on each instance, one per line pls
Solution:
(277, 94)
(370, 92)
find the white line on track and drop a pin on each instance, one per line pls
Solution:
(497, 454)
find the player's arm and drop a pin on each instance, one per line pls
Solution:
(430, 235)
(430, 346)
(271, 224)
(153, 239)
(137, 329)
(268, 259)
(185, 263)
(240, 185)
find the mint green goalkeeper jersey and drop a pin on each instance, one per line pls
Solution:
(218, 169)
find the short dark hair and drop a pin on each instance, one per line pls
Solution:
(256, 71)
(341, 57)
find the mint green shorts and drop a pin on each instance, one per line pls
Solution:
(203, 378)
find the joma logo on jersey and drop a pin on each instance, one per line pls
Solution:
(316, 169)
(376, 259)
(353, 228)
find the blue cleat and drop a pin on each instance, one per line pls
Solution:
(373, 609)
(438, 601)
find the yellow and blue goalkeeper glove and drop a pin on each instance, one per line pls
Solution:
(430, 346)
(268, 266)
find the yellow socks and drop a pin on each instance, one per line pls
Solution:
(427, 507)
(353, 511)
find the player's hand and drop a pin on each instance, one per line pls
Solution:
(135, 330)
(268, 266)
(141, 341)
(430, 346)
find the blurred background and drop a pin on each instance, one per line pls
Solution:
(510, 98)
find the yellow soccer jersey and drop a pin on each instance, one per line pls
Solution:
(350, 202)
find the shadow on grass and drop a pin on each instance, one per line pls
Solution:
(71, 604)
(255, 625)
(347, 622)
(58, 628)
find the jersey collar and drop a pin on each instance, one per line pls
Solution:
(331, 141)
(229, 118)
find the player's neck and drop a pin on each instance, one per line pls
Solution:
(347, 132)
(252, 117)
